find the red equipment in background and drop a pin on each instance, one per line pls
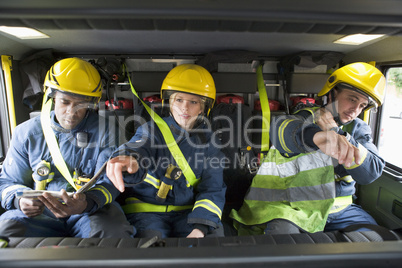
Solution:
(273, 105)
(119, 104)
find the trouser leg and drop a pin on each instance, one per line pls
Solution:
(12, 228)
(351, 215)
(180, 227)
(14, 223)
(167, 224)
(108, 221)
(150, 224)
(280, 226)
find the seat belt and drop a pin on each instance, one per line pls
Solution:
(170, 141)
(51, 141)
(266, 112)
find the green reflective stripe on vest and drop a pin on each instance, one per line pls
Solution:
(208, 205)
(310, 216)
(170, 141)
(341, 203)
(51, 141)
(134, 205)
(300, 189)
(266, 112)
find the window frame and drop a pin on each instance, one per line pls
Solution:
(375, 123)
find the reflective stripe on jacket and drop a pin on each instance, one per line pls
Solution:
(28, 148)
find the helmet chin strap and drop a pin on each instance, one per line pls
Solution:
(334, 111)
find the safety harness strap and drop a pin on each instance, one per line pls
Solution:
(7, 67)
(266, 112)
(169, 139)
(51, 141)
(134, 205)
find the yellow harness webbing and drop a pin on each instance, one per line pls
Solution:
(52, 142)
(170, 141)
(134, 205)
(266, 112)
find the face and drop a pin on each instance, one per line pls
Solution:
(349, 104)
(69, 110)
(185, 109)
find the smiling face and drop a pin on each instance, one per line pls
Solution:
(69, 110)
(185, 109)
(349, 104)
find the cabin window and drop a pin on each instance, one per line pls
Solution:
(390, 135)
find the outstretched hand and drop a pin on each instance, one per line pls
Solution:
(65, 207)
(116, 166)
(338, 147)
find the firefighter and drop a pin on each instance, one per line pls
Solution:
(192, 205)
(332, 130)
(52, 152)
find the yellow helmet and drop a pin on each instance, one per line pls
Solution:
(192, 79)
(74, 76)
(362, 77)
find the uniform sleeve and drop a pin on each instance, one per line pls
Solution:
(16, 173)
(210, 197)
(103, 192)
(293, 134)
(142, 147)
(372, 164)
(145, 139)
